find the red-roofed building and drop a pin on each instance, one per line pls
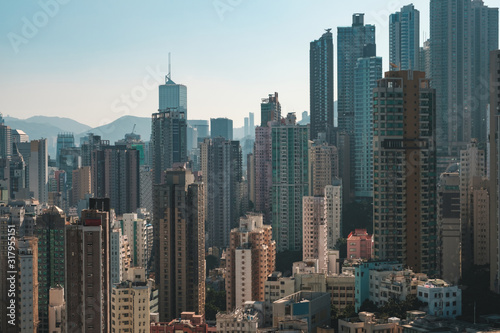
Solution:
(188, 323)
(359, 245)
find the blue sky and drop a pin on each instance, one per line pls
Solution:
(95, 61)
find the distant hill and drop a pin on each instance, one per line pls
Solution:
(117, 129)
(39, 127)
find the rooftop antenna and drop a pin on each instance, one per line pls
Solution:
(168, 77)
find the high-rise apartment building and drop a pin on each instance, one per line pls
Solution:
(494, 229)
(64, 140)
(221, 166)
(333, 205)
(290, 181)
(87, 268)
(448, 224)
(270, 109)
(221, 127)
(404, 39)
(136, 231)
(323, 165)
(314, 231)
(168, 140)
(82, 184)
(88, 144)
(179, 231)
(35, 155)
(321, 86)
(5, 139)
(404, 204)
(115, 175)
(425, 58)
(462, 32)
(56, 310)
(249, 260)
(49, 230)
(366, 74)
(472, 170)
(354, 42)
(130, 303)
(263, 171)
(28, 284)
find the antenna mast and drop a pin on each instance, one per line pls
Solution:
(168, 77)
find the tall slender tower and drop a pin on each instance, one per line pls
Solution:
(179, 237)
(354, 42)
(404, 39)
(404, 204)
(494, 155)
(321, 85)
(290, 182)
(366, 74)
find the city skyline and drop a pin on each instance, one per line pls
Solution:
(97, 59)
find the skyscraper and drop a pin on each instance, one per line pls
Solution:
(354, 42)
(404, 190)
(221, 127)
(263, 171)
(173, 96)
(64, 140)
(49, 230)
(323, 165)
(366, 74)
(494, 229)
(270, 109)
(314, 231)
(250, 258)
(88, 285)
(461, 34)
(38, 160)
(404, 39)
(168, 140)
(290, 182)
(28, 284)
(321, 85)
(5, 139)
(221, 166)
(179, 235)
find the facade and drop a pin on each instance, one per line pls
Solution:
(404, 204)
(28, 284)
(494, 171)
(248, 318)
(443, 300)
(263, 171)
(168, 140)
(6, 142)
(323, 165)
(136, 231)
(221, 127)
(249, 260)
(270, 110)
(221, 166)
(359, 245)
(449, 227)
(367, 322)
(82, 184)
(472, 169)
(64, 140)
(398, 285)
(333, 197)
(189, 322)
(367, 72)
(56, 310)
(130, 303)
(321, 86)
(480, 218)
(362, 273)
(275, 287)
(115, 175)
(173, 96)
(290, 182)
(49, 230)
(354, 42)
(37, 158)
(341, 289)
(303, 305)
(404, 39)
(179, 231)
(314, 231)
(87, 285)
(461, 34)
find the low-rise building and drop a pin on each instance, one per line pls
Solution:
(396, 285)
(246, 319)
(276, 287)
(367, 323)
(341, 289)
(189, 322)
(359, 244)
(313, 307)
(57, 309)
(443, 300)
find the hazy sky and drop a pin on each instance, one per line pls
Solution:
(95, 61)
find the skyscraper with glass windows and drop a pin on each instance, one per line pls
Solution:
(321, 85)
(404, 39)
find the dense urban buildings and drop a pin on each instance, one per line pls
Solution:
(321, 86)
(179, 224)
(404, 172)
